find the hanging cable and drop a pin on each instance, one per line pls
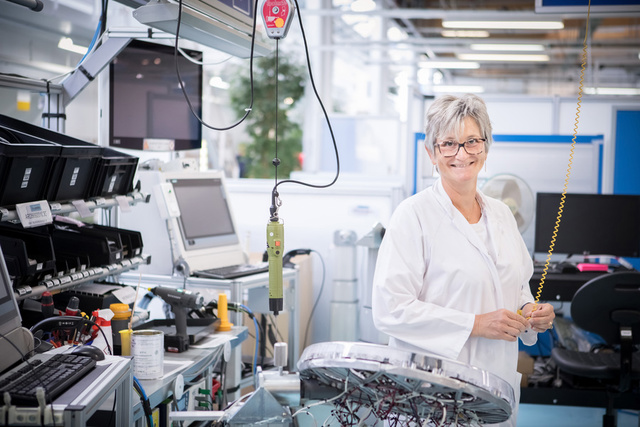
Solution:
(274, 194)
(181, 83)
(573, 146)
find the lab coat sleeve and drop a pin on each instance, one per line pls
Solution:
(398, 286)
(530, 337)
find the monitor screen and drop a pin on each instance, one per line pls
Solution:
(597, 224)
(9, 313)
(205, 219)
(147, 109)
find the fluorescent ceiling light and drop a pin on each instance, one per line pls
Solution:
(363, 6)
(465, 33)
(505, 57)
(449, 65)
(66, 43)
(508, 47)
(505, 25)
(458, 89)
(612, 91)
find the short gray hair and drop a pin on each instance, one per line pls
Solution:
(447, 113)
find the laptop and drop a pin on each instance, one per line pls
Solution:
(190, 227)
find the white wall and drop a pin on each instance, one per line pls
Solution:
(311, 217)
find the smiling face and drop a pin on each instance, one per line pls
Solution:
(461, 169)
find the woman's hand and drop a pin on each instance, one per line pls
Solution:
(499, 325)
(540, 316)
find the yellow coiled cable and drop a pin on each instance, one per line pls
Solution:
(573, 146)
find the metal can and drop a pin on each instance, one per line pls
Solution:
(147, 350)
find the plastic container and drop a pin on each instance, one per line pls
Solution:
(119, 322)
(72, 167)
(25, 168)
(114, 175)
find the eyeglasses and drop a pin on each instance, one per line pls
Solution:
(472, 146)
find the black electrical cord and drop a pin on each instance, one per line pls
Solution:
(274, 193)
(75, 322)
(46, 392)
(144, 400)
(184, 92)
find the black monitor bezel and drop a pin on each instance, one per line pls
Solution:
(547, 217)
(194, 93)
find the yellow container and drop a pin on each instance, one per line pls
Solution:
(125, 342)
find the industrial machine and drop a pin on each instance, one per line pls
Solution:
(369, 383)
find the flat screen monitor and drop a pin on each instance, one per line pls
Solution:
(596, 224)
(205, 218)
(9, 314)
(147, 108)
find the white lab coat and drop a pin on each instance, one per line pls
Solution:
(434, 274)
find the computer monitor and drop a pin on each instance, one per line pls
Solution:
(205, 219)
(596, 224)
(147, 108)
(202, 236)
(11, 323)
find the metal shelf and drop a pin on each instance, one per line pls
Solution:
(92, 204)
(73, 279)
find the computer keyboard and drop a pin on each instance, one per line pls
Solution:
(56, 375)
(232, 271)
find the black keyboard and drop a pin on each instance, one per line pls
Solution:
(56, 375)
(232, 271)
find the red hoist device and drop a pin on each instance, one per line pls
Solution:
(277, 16)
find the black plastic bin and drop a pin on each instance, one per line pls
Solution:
(102, 247)
(131, 240)
(72, 172)
(25, 170)
(115, 172)
(28, 252)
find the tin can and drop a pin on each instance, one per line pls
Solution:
(147, 350)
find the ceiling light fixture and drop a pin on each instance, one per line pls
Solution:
(465, 33)
(66, 43)
(460, 65)
(363, 6)
(458, 89)
(505, 25)
(611, 91)
(504, 57)
(507, 47)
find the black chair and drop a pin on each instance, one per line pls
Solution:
(609, 306)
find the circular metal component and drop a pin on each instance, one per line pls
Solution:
(401, 386)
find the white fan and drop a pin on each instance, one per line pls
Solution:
(515, 193)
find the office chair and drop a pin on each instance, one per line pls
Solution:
(609, 306)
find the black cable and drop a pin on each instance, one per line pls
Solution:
(144, 401)
(184, 92)
(276, 160)
(47, 397)
(274, 192)
(79, 322)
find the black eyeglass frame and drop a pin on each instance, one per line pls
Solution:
(463, 146)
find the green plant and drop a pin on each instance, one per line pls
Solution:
(261, 122)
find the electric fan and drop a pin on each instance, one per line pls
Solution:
(515, 193)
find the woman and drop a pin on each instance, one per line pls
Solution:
(453, 270)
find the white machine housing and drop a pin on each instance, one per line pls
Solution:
(190, 225)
